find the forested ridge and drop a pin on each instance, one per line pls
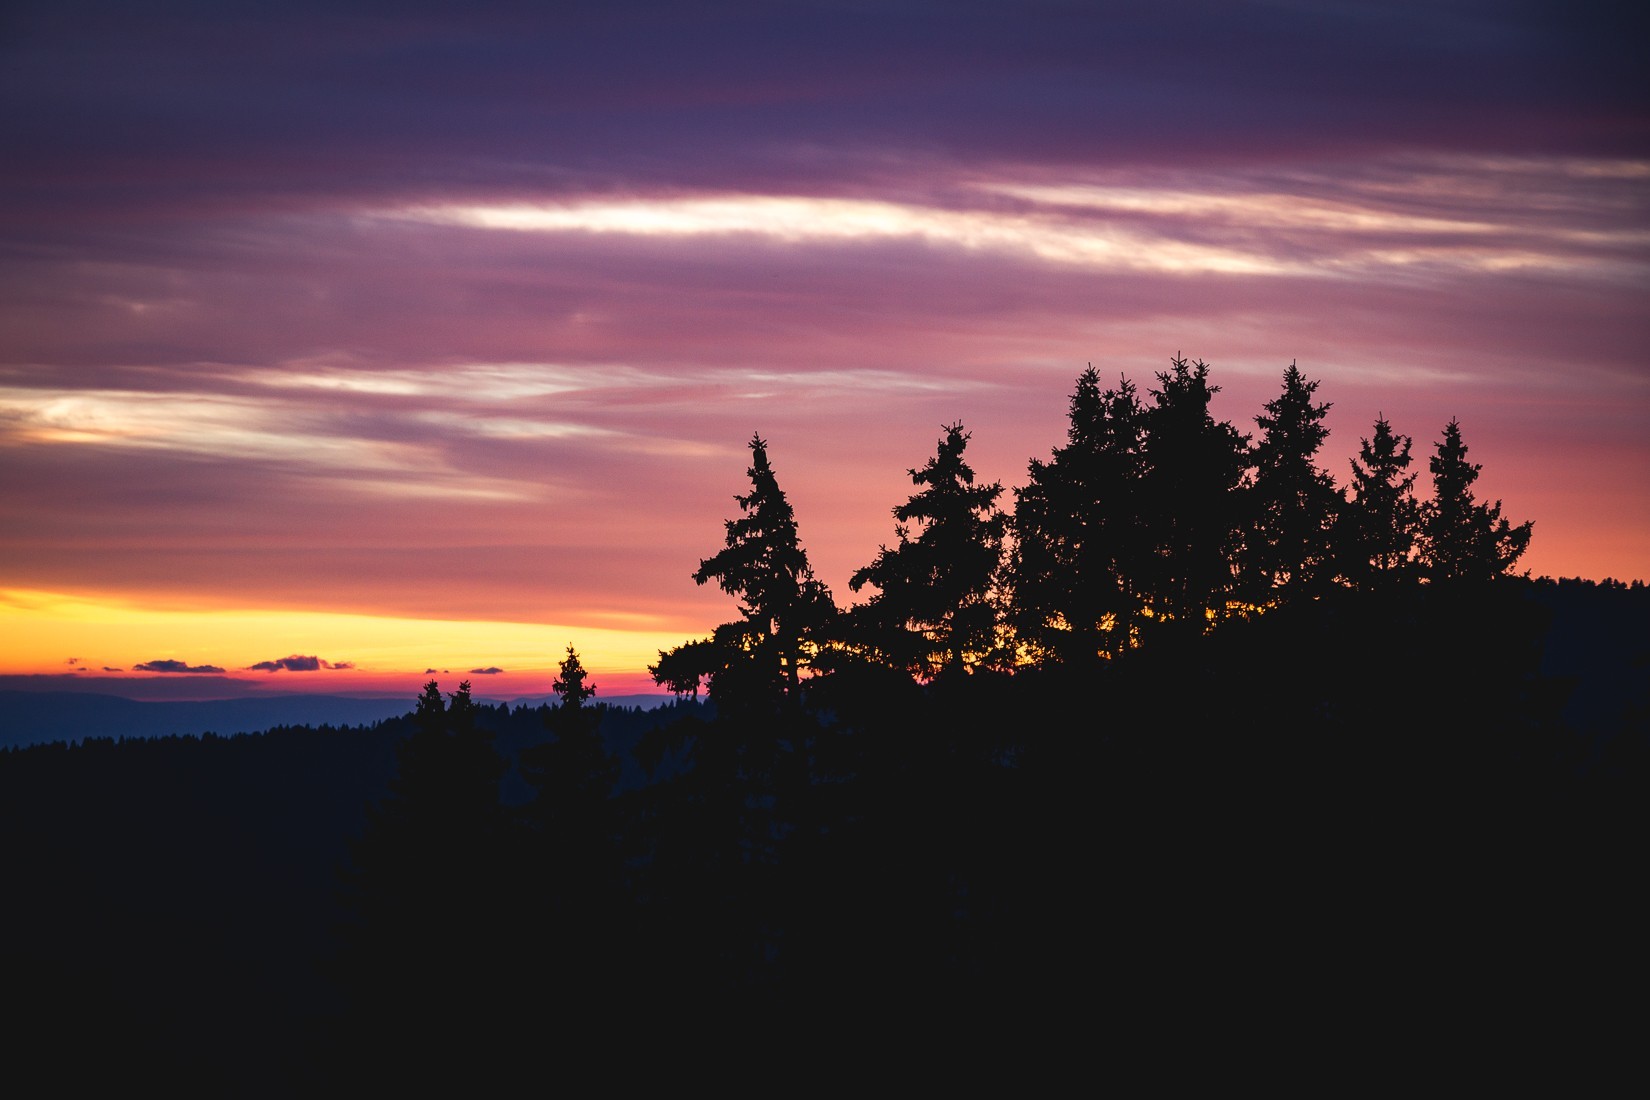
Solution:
(1176, 741)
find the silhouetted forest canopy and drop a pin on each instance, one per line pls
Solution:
(1177, 720)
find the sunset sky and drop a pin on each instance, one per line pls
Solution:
(409, 337)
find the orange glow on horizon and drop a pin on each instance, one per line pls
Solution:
(90, 637)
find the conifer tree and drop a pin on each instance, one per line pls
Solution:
(1293, 502)
(1462, 539)
(1379, 525)
(570, 894)
(572, 772)
(784, 610)
(1078, 548)
(1196, 480)
(933, 610)
(429, 878)
(570, 686)
(448, 771)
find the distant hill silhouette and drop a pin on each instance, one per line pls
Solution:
(28, 718)
(35, 717)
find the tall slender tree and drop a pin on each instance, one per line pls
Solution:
(572, 772)
(569, 901)
(933, 611)
(784, 610)
(1379, 525)
(1293, 503)
(1461, 538)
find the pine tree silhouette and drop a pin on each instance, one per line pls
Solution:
(429, 885)
(1461, 538)
(756, 660)
(933, 611)
(1079, 548)
(1293, 502)
(1381, 521)
(571, 867)
(1196, 493)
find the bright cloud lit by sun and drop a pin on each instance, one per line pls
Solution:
(798, 219)
(1444, 214)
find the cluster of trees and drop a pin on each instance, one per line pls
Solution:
(441, 913)
(1153, 519)
(1184, 723)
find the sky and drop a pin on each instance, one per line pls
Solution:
(344, 346)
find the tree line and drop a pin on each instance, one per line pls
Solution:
(1154, 519)
(1182, 723)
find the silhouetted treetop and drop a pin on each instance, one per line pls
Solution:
(1381, 521)
(1079, 538)
(570, 685)
(1461, 538)
(1291, 544)
(933, 608)
(1195, 490)
(783, 608)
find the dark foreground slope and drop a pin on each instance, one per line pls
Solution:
(1303, 832)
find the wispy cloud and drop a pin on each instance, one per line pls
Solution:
(466, 318)
(1448, 213)
(823, 221)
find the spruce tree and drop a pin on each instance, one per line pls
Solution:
(570, 896)
(1078, 547)
(570, 685)
(1293, 503)
(1196, 480)
(933, 610)
(1380, 522)
(572, 772)
(1461, 538)
(756, 660)
(429, 881)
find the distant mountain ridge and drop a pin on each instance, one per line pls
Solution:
(29, 717)
(36, 717)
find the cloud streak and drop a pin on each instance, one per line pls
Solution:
(457, 320)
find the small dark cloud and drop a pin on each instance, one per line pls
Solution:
(429, 672)
(297, 663)
(491, 670)
(72, 661)
(106, 668)
(293, 663)
(173, 666)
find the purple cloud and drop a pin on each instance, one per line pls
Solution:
(173, 666)
(289, 664)
(233, 330)
(492, 670)
(297, 663)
